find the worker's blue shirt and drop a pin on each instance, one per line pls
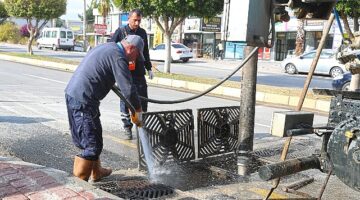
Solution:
(97, 73)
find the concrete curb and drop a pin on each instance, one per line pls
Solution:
(264, 97)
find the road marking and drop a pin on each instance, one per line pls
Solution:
(267, 126)
(124, 142)
(264, 193)
(39, 77)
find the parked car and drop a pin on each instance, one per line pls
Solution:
(178, 52)
(56, 38)
(79, 46)
(327, 65)
(342, 82)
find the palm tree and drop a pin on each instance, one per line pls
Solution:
(103, 6)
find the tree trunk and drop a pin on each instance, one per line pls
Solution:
(31, 38)
(181, 33)
(168, 52)
(300, 37)
(356, 23)
(346, 26)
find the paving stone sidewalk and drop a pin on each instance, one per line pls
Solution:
(26, 181)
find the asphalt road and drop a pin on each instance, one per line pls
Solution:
(269, 73)
(34, 127)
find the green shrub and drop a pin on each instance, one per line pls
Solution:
(9, 32)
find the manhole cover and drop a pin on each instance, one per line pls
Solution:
(136, 189)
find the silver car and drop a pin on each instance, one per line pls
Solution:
(327, 65)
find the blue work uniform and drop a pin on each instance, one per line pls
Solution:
(91, 82)
(138, 74)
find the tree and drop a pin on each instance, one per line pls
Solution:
(103, 6)
(349, 8)
(3, 13)
(36, 13)
(168, 14)
(300, 37)
(89, 15)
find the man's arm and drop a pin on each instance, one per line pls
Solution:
(147, 63)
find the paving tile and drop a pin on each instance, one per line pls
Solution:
(8, 171)
(22, 182)
(15, 176)
(45, 180)
(16, 197)
(7, 190)
(40, 195)
(64, 193)
(87, 195)
(35, 174)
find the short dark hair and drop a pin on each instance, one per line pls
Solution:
(137, 11)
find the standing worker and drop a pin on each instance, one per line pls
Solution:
(90, 83)
(137, 68)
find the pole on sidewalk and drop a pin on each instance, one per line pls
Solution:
(84, 27)
(247, 112)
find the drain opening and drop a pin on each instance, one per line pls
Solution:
(136, 189)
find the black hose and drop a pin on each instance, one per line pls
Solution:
(206, 91)
(119, 94)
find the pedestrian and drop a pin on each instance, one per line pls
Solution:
(220, 50)
(91, 82)
(137, 68)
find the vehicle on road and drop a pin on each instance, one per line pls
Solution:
(178, 52)
(327, 65)
(56, 38)
(341, 82)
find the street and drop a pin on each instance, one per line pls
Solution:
(34, 125)
(269, 73)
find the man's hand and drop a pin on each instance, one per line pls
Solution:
(136, 118)
(151, 74)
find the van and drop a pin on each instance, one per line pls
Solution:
(56, 38)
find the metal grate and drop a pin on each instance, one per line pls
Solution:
(171, 136)
(136, 189)
(218, 130)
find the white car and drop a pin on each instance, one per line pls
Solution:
(327, 65)
(178, 52)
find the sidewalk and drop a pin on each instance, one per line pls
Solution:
(26, 181)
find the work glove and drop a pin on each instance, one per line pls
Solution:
(136, 118)
(151, 74)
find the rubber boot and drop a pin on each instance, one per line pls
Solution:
(82, 168)
(99, 172)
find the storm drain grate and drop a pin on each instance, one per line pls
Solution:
(136, 189)
(296, 150)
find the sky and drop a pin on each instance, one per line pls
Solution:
(73, 8)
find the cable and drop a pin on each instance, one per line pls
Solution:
(206, 91)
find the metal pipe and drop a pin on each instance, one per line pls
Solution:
(288, 167)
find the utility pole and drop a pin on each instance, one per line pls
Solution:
(84, 27)
(247, 112)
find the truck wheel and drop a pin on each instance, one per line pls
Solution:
(54, 47)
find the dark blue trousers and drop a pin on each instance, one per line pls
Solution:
(85, 127)
(141, 87)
